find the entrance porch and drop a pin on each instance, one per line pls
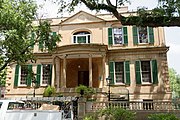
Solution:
(83, 67)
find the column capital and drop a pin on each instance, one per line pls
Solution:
(90, 55)
(65, 56)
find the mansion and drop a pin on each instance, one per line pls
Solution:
(93, 47)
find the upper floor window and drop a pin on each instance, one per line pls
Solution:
(146, 72)
(81, 37)
(143, 35)
(117, 36)
(44, 40)
(119, 72)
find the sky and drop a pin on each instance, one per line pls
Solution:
(172, 34)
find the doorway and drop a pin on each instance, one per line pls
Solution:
(83, 78)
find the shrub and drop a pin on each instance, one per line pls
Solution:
(162, 116)
(86, 90)
(91, 116)
(49, 91)
(117, 114)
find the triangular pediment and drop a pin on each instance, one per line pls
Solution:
(81, 17)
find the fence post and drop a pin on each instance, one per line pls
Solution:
(81, 107)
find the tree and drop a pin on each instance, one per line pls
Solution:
(2, 75)
(18, 35)
(165, 14)
(174, 82)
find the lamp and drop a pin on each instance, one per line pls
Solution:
(34, 85)
(108, 83)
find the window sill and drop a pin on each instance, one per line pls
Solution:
(23, 86)
(118, 45)
(120, 84)
(43, 85)
(146, 84)
(145, 44)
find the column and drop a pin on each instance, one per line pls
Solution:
(63, 82)
(53, 72)
(57, 72)
(103, 71)
(90, 71)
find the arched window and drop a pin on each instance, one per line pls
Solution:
(81, 37)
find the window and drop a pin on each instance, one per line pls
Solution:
(142, 35)
(117, 36)
(81, 37)
(146, 72)
(119, 72)
(46, 74)
(47, 40)
(23, 75)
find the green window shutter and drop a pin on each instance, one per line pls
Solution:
(54, 37)
(154, 71)
(32, 39)
(29, 77)
(125, 34)
(16, 76)
(151, 35)
(135, 35)
(127, 73)
(50, 74)
(41, 44)
(54, 33)
(38, 76)
(110, 39)
(138, 72)
(111, 71)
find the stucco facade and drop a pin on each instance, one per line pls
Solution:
(88, 54)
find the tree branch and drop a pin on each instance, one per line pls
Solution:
(151, 21)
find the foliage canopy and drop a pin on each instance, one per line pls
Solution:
(165, 14)
(18, 35)
(174, 82)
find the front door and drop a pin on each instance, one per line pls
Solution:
(83, 78)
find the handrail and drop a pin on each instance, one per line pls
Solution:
(135, 105)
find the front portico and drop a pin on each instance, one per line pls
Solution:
(79, 64)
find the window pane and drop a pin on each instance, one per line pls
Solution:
(143, 35)
(118, 35)
(88, 38)
(74, 39)
(119, 72)
(24, 74)
(146, 71)
(46, 74)
(81, 39)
